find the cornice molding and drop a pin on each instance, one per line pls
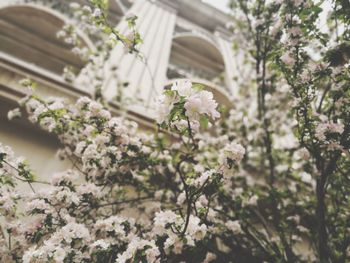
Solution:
(53, 81)
(171, 6)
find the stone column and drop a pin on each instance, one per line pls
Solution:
(146, 77)
(225, 45)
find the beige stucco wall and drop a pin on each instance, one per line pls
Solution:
(37, 147)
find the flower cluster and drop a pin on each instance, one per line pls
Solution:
(231, 152)
(186, 104)
(323, 128)
(167, 223)
(114, 163)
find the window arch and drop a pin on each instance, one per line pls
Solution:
(195, 56)
(28, 32)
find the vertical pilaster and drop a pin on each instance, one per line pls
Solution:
(156, 23)
(226, 49)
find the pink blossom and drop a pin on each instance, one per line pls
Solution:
(288, 59)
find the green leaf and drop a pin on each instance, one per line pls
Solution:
(169, 92)
(198, 87)
(204, 121)
(103, 4)
(131, 21)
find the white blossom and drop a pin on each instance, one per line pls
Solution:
(15, 113)
(234, 226)
(233, 151)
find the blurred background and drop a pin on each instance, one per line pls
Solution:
(181, 40)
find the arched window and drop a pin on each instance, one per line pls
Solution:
(194, 56)
(28, 32)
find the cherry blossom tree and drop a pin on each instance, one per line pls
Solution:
(261, 182)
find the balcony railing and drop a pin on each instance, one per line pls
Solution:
(181, 71)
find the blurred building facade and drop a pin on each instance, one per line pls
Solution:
(181, 39)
